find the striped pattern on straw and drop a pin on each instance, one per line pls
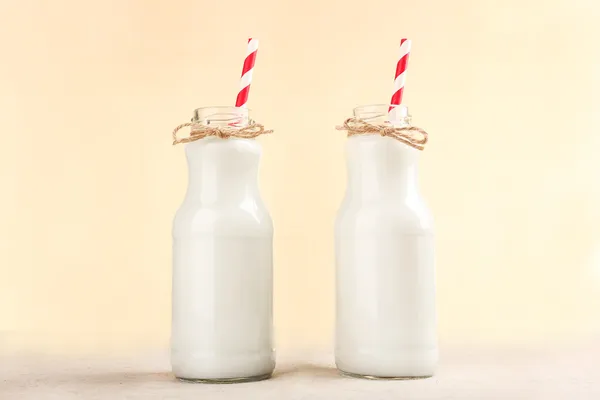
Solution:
(247, 70)
(400, 77)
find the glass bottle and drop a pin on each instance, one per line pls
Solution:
(385, 278)
(222, 260)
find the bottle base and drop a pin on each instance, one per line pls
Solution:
(226, 380)
(202, 367)
(383, 378)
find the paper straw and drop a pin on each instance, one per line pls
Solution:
(400, 77)
(247, 70)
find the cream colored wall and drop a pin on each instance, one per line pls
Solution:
(89, 93)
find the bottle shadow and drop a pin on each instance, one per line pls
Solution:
(314, 371)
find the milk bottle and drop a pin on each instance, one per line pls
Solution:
(385, 283)
(222, 260)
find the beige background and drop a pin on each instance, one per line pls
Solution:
(90, 90)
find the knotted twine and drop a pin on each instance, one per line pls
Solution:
(198, 132)
(410, 135)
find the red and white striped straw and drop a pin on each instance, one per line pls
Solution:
(400, 77)
(247, 70)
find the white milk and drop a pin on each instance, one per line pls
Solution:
(222, 267)
(385, 316)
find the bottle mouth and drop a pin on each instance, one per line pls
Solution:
(221, 116)
(381, 113)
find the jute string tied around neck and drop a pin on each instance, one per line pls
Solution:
(250, 131)
(410, 135)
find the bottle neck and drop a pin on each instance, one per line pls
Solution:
(381, 167)
(222, 171)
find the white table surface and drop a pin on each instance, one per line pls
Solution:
(463, 375)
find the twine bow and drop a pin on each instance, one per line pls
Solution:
(198, 132)
(410, 135)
